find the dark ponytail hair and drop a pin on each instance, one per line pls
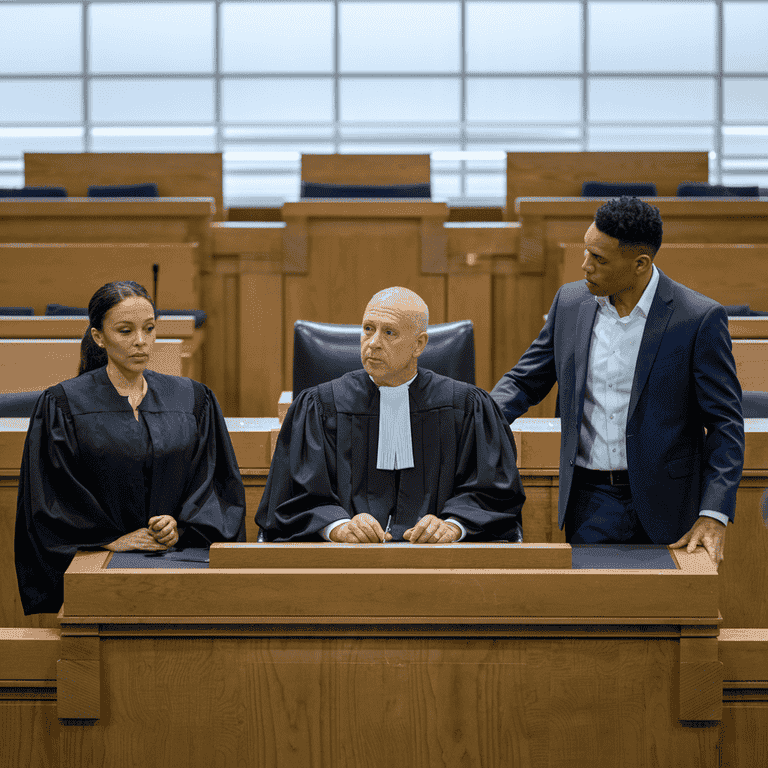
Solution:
(92, 356)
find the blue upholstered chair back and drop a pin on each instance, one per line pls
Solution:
(754, 405)
(702, 189)
(324, 351)
(16, 311)
(34, 192)
(18, 404)
(313, 189)
(123, 190)
(617, 189)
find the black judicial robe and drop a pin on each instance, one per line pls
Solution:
(324, 466)
(91, 472)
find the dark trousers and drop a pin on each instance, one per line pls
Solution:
(600, 513)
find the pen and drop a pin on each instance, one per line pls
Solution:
(386, 531)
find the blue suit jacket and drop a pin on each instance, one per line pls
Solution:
(685, 382)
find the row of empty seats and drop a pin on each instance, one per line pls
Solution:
(63, 310)
(109, 190)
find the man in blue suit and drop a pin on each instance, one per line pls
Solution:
(652, 440)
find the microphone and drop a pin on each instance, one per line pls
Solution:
(155, 272)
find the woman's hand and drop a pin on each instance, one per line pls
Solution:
(163, 529)
(138, 539)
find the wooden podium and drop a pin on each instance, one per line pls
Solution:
(477, 655)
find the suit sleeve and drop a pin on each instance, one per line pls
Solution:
(531, 380)
(719, 397)
(300, 496)
(488, 495)
(213, 506)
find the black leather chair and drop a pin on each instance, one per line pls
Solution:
(123, 190)
(617, 189)
(754, 405)
(702, 189)
(315, 189)
(18, 404)
(16, 311)
(325, 351)
(34, 192)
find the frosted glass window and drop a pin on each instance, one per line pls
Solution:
(151, 37)
(148, 100)
(649, 139)
(445, 186)
(20, 140)
(745, 140)
(129, 139)
(521, 100)
(269, 100)
(746, 26)
(41, 38)
(486, 185)
(41, 101)
(618, 100)
(412, 99)
(277, 37)
(523, 37)
(652, 37)
(399, 37)
(746, 99)
(243, 187)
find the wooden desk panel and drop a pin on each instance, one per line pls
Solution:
(561, 174)
(729, 273)
(29, 365)
(177, 174)
(366, 169)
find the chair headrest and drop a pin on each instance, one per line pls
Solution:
(310, 189)
(702, 189)
(617, 189)
(124, 190)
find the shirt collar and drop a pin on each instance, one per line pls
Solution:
(643, 307)
(405, 384)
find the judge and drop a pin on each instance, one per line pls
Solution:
(392, 443)
(121, 457)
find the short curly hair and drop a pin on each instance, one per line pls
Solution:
(632, 222)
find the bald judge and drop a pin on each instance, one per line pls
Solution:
(431, 456)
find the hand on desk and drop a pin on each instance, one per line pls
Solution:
(163, 529)
(432, 530)
(361, 529)
(140, 539)
(708, 532)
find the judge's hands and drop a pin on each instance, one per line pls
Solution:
(432, 530)
(708, 532)
(163, 529)
(139, 539)
(361, 529)
(161, 533)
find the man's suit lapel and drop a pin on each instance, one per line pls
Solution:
(655, 326)
(584, 324)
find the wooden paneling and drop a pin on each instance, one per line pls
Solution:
(729, 273)
(561, 174)
(366, 169)
(67, 273)
(751, 356)
(177, 174)
(29, 365)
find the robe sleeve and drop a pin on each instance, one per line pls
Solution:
(55, 513)
(488, 495)
(213, 502)
(301, 497)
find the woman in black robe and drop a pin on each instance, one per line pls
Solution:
(121, 457)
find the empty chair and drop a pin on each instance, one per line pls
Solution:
(34, 192)
(325, 351)
(18, 404)
(16, 311)
(123, 190)
(754, 405)
(702, 189)
(314, 189)
(62, 309)
(198, 314)
(617, 189)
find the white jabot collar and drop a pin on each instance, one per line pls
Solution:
(395, 440)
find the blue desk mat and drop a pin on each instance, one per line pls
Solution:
(172, 558)
(649, 556)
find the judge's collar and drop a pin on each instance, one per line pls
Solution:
(405, 384)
